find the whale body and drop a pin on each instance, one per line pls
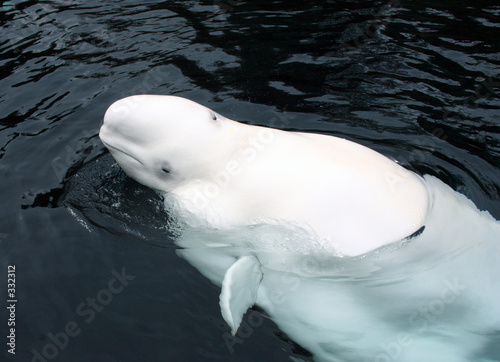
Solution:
(353, 256)
(231, 174)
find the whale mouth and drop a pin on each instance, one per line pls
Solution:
(115, 149)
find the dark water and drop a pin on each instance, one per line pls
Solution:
(415, 80)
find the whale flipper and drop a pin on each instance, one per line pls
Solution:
(239, 290)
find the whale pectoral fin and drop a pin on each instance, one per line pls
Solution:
(239, 290)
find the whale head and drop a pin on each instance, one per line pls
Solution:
(161, 141)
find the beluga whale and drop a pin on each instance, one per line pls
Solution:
(349, 253)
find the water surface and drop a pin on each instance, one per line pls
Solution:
(415, 80)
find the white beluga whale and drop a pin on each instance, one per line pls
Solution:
(350, 254)
(232, 174)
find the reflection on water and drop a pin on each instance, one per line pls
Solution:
(417, 81)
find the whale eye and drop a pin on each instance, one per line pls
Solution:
(165, 169)
(214, 117)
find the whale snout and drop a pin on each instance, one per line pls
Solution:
(126, 121)
(145, 132)
(126, 115)
(109, 136)
(111, 122)
(105, 136)
(121, 129)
